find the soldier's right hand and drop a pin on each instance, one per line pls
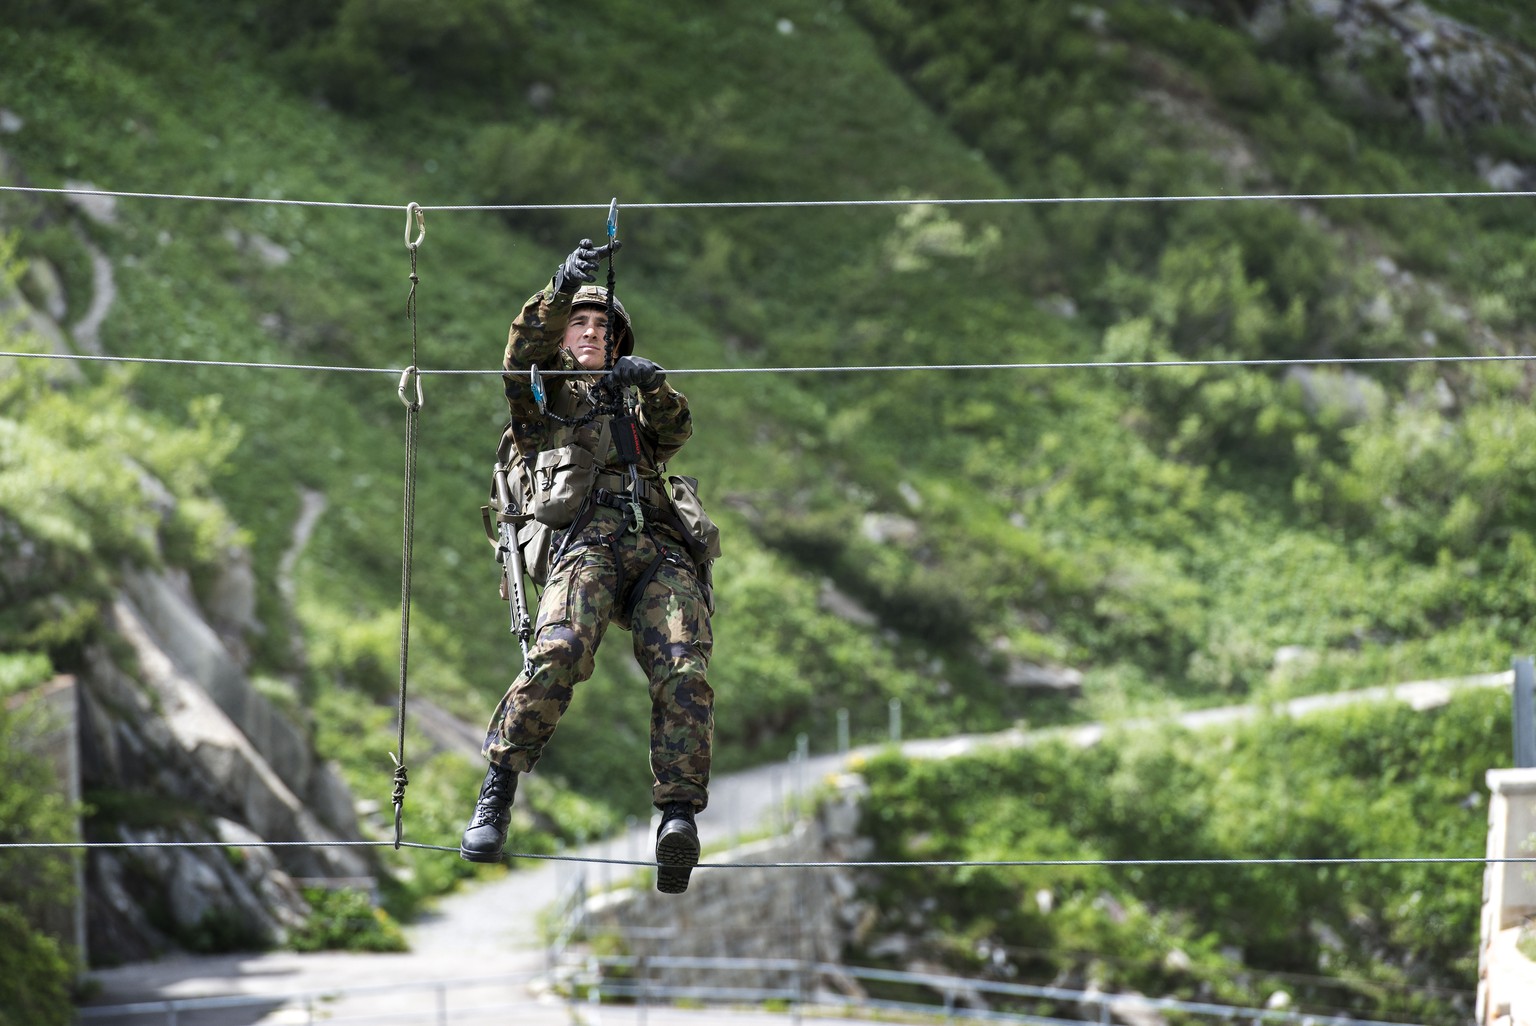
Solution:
(581, 266)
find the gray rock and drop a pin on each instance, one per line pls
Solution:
(1022, 674)
(98, 208)
(841, 605)
(887, 528)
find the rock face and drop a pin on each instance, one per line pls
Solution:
(1455, 77)
(181, 758)
(184, 749)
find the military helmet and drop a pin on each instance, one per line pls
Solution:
(596, 295)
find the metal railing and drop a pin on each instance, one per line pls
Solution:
(639, 986)
(596, 981)
(446, 998)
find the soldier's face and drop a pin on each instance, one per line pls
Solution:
(586, 336)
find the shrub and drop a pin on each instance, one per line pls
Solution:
(345, 920)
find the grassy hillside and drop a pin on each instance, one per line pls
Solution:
(1166, 532)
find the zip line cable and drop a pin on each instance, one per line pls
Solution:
(1295, 197)
(414, 373)
(1297, 361)
(855, 864)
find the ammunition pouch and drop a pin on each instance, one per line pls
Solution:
(562, 480)
(698, 529)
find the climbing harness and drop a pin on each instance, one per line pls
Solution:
(412, 432)
(643, 505)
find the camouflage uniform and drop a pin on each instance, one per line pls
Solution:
(670, 621)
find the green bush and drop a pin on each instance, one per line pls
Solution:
(344, 919)
(35, 976)
(36, 972)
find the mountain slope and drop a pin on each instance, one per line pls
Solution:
(941, 538)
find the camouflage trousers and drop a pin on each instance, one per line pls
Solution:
(672, 641)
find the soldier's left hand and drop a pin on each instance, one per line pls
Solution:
(638, 371)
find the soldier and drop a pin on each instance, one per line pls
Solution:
(618, 552)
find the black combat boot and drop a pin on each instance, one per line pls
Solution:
(677, 848)
(487, 830)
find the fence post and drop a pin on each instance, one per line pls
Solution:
(1525, 714)
(895, 711)
(640, 966)
(802, 756)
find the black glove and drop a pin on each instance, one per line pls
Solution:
(581, 265)
(638, 371)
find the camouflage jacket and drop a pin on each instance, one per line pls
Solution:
(536, 338)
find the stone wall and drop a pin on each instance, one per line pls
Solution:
(771, 913)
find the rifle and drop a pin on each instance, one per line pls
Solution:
(511, 558)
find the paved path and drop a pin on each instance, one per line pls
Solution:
(490, 959)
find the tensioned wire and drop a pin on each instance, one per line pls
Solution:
(758, 204)
(1299, 361)
(725, 205)
(864, 864)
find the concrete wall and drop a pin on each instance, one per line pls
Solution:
(1506, 986)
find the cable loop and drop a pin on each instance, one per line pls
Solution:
(398, 797)
(408, 526)
(421, 226)
(405, 378)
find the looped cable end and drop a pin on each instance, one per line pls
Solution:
(405, 379)
(421, 226)
(399, 797)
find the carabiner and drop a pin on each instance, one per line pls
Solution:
(405, 377)
(421, 225)
(536, 382)
(613, 219)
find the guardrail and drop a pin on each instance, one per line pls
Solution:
(592, 982)
(640, 989)
(313, 1004)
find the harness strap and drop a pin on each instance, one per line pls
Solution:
(620, 594)
(583, 518)
(627, 596)
(637, 592)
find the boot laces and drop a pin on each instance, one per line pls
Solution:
(678, 810)
(495, 794)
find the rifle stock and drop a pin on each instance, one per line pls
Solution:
(511, 559)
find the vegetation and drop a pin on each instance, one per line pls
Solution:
(346, 919)
(1373, 940)
(36, 971)
(1179, 535)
